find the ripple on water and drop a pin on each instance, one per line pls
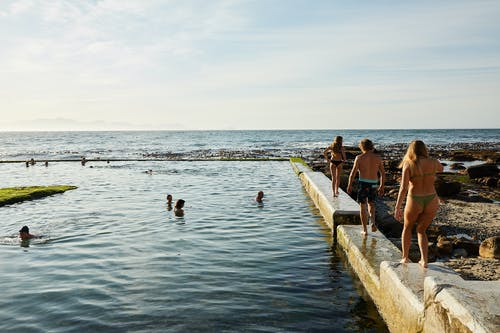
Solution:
(117, 260)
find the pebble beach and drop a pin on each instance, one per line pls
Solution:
(471, 212)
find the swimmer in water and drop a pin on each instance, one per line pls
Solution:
(169, 201)
(24, 233)
(259, 197)
(178, 209)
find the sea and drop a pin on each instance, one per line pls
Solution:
(219, 144)
(113, 257)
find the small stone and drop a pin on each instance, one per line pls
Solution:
(490, 248)
(444, 246)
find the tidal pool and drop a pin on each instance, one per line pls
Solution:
(113, 258)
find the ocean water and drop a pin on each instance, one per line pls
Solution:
(113, 258)
(216, 144)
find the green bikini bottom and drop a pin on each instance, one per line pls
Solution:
(424, 200)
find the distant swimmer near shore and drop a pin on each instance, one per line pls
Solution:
(259, 197)
(24, 233)
(169, 202)
(178, 209)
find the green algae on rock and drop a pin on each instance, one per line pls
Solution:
(18, 194)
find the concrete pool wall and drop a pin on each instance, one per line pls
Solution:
(409, 298)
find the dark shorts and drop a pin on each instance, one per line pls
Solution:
(366, 192)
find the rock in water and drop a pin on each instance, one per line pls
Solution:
(447, 189)
(490, 248)
(483, 170)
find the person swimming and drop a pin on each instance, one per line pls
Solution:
(259, 197)
(169, 202)
(25, 235)
(178, 208)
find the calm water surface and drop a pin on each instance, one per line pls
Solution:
(114, 259)
(207, 144)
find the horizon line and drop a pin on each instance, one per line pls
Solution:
(236, 130)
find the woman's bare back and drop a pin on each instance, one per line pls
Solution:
(423, 181)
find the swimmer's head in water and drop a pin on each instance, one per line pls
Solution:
(179, 204)
(25, 229)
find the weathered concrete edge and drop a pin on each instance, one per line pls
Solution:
(457, 305)
(317, 196)
(397, 303)
(419, 316)
(402, 309)
(365, 271)
(318, 186)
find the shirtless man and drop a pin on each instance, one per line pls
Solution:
(371, 172)
(24, 234)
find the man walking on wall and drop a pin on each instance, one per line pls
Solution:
(371, 182)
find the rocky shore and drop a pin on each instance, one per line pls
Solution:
(470, 204)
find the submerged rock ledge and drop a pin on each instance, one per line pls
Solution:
(19, 194)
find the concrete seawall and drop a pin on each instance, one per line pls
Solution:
(408, 297)
(343, 210)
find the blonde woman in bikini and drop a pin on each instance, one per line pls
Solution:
(422, 202)
(335, 155)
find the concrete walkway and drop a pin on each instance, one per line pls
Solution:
(408, 297)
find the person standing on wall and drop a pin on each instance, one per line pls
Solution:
(371, 182)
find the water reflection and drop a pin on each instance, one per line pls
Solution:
(118, 257)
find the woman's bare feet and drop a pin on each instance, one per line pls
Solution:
(404, 261)
(374, 227)
(422, 263)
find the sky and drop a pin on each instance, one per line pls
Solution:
(249, 64)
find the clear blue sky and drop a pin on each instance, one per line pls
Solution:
(252, 64)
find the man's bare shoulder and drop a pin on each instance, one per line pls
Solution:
(364, 156)
(377, 156)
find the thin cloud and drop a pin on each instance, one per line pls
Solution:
(93, 60)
